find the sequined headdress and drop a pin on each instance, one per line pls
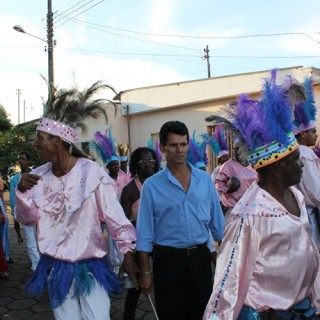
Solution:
(66, 110)
(263, 128)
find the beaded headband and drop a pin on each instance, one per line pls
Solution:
(272, 152)
(57, 128)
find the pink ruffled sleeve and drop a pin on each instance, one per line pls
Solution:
(111, 212)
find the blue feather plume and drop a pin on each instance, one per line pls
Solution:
(306, 111)
(212, 143)
(277, 120)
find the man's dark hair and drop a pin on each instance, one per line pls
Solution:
(136, 157)
(176, 127)
(26, 153)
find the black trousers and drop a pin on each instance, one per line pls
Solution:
(182, 283)
(130, 304)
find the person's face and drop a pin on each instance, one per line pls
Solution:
(310, 137)
(146, 165)
(114, 167)
(292, 168)
(46, 145)
(176, 149)
(224, 158)
(23, 161)
(124, 166)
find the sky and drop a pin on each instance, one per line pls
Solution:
(137, 43)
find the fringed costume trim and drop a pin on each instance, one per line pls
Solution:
(59, 275)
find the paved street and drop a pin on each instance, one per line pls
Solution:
(15, 304)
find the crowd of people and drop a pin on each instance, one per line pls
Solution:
(239, 244)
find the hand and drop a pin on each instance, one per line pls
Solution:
(27, 181)
(233, 184)
(130, 267)
(214, 257)
(145, 282)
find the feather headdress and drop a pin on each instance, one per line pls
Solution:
(219, 136)
(262, 128)
(66, 110)
(214, 145)
(155, 146)
(197, 152)
(305, 111)
(123, 151)
(105, 146)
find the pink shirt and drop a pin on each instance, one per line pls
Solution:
(122, 180)
(233, 168)
(310, 181)
(267, 258)
(68, 211)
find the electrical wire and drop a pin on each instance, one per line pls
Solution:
(143, 40)
(194, 37)
(59, 25)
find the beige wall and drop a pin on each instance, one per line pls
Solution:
(190, 102)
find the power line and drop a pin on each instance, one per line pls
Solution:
(190, 56)
(70, 8)
(195, 37)
(87, 9)
(143, 40)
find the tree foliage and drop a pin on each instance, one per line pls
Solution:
(16, 139)
(5, 123)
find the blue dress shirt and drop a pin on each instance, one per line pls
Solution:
(170, 216)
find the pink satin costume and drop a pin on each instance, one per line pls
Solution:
(267, 258)
(229, 169)
(68, 211)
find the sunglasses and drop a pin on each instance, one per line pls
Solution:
(145, 162)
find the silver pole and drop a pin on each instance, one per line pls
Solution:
(152, 305)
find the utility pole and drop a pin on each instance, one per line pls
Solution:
(24, 111)
(207, 57)
(50, 43)
(18, 93)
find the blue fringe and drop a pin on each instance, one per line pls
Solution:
(63, 273)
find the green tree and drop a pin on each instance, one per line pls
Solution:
(12, 141)
(5, 123)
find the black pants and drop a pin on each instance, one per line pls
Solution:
(182, 283)
(130, 304)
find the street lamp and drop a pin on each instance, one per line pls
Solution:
(49, 42)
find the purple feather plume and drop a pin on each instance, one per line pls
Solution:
(105, 144)
(220, 137)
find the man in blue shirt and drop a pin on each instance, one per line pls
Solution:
(179, 211)
(24, 158)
